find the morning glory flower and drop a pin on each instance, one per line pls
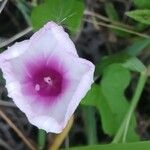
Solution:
(46, 78)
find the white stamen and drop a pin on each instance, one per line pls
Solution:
(37, 87)
(48, 80)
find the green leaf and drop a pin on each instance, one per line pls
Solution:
(137, 47)
(92, 96)
(125, 59)
(134, 64)
(114, 82)
(108, 60)
(142, 16)
(145, 4)
(125, 146)
(109, 98)
(95, 98)
(111, 11)
(67, 12)
(108, 122)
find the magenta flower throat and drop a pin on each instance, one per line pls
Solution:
(46, 79)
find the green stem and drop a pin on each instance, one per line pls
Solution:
(90, 124)
(125, 124)
(41, 139)
(113, 26)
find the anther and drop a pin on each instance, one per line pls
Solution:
(48, 80)
(37, 87)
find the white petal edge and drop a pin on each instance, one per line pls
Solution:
(14, 51)
(50, 37)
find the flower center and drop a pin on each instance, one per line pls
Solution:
(47, 81)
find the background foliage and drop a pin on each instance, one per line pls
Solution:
(114, 35)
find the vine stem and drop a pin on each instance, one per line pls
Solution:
(41, 139)
(60, 137)
(90, 124)
(118, 28)
(122, 132)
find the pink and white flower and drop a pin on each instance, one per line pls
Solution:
(45, 77)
